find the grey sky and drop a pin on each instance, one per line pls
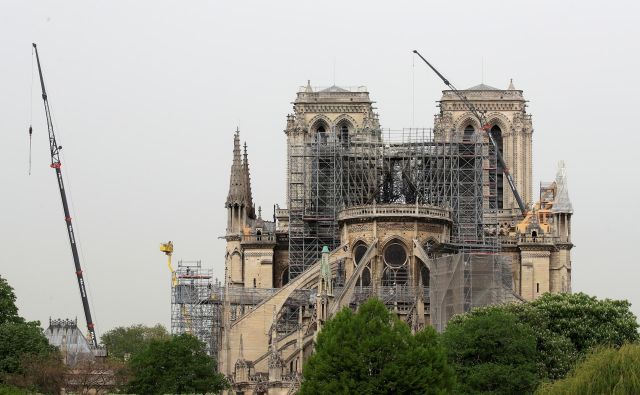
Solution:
(146, 96)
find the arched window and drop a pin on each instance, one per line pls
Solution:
(358, 252)
(468, 133)
(395, 259)
(285, 277)
(424, 275)
(496, 133)
(365, 278)
(344, 134)
(321, 134)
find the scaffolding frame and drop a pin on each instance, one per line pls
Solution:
(329, 172)
(192, 308)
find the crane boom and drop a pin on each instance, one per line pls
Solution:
(485, 126)
(56, 164)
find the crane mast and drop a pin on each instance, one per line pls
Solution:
(485, 126)
(56, 164)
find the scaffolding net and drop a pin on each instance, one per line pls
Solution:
(463, 281)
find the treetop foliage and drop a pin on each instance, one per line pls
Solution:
(373, 352)
(8, 308)
(492, 353)
(177, 365)
(604, 371)
(123, 341)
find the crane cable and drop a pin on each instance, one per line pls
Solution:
(31, 112)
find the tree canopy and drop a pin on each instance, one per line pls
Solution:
(567, 326)
(177, 365)
(24, 349)
(492, 353)
(604, 371)
(373, 352)
(128, 341)
(8, 308)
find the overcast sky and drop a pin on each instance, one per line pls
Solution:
(146, 96)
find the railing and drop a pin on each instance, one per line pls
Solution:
(390, 294)
(395, 210)
(528, 239)
(259, 377)
(266, 238)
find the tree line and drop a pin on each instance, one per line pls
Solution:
(557, 344)
(141, 360)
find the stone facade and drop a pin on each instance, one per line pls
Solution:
(270, 323)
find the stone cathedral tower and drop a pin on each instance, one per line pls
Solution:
(540, 244)
(511, 127)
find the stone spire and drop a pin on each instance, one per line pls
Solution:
(251, 211)
(237, 179)
(511, 87)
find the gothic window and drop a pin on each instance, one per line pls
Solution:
(468, 133)
(496, 133)
(285, 277)
(395, 259)
(424, 275)
(344, 135)
(365, 279)
(358, 252)
(321, 134)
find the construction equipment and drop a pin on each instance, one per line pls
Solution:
(167, 248)
(56, 164)
(486, 127)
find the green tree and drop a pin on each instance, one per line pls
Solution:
(18, 339)
(604, 371)
(177, 365)
(25, 354)
(128, 341)
(555, 354)
(8, 308)
(373, 352)
(587, 321)
(567, 326)
(492, 353)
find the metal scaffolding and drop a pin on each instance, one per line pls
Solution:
(193, 310)
(330, 171)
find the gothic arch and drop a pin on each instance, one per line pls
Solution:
(346, 118)
(501, 120)
(466, 119)
(317, 120)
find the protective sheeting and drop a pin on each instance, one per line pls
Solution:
(463, 281)
(65, 335)
(562, 203)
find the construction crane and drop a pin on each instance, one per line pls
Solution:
(485, 126)
(56, 164)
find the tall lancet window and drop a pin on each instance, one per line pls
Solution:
(496, 133)
(468, 133)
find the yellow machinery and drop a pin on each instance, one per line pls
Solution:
(167, 248)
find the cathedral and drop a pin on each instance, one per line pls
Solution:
(423, 219)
